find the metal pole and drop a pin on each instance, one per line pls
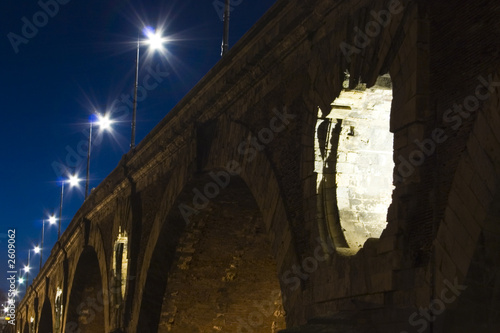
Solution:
(134, 114)
(88, 160)
(41, 247)
(225, 40)
(60, 211)
(28, 272)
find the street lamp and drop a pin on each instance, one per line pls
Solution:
(27, 270)
(104, 123)
(52, 220)
(73, 181)
(155, 42)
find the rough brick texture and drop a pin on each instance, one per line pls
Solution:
(435, 266)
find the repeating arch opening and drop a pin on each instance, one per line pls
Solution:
(214, 272)
(354, 165)
(45, 325)
(85, 309)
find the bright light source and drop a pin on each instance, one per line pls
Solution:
(27, 268)
(21, 280)
(104, 122)
(37, 249)
(52, 219)
(155, 40)
(73, 180)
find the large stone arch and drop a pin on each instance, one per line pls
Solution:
(45, 325)
(266, 192)
(217, 263)
(232, 145)
(87, 292)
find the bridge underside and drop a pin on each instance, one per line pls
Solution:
(337, 171)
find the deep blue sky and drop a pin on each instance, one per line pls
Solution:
(81, 60)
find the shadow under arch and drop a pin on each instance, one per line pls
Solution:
(214, 269)
(45, 325)
(85, 306)
(474, 305)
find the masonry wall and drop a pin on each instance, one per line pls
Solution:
(441, 225)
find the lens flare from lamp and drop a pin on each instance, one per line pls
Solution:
(104, 122)
(155, 40)
(37, 249)
(73, 181)
(52, 219)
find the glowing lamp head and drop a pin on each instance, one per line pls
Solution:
(37, 249)
(73, 180)
(52, 219)
(155, 40)
(104, 122)
(27, 268)
(21, 280)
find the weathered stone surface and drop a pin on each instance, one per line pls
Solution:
(131, 248)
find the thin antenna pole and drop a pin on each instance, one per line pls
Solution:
(60, 210)
(134, 113)
(225, 40)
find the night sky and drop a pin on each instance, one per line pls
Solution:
(80, 59)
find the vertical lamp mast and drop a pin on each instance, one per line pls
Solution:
(225, 40)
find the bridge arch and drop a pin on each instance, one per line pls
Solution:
(45, 325)
(246, 180)
(88, 297)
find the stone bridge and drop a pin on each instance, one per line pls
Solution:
(337, 171)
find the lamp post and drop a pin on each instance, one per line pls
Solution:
(73, 181)
(36, 250)
(155, 41)
(52, 220)
(104, 123)
(27, 270)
